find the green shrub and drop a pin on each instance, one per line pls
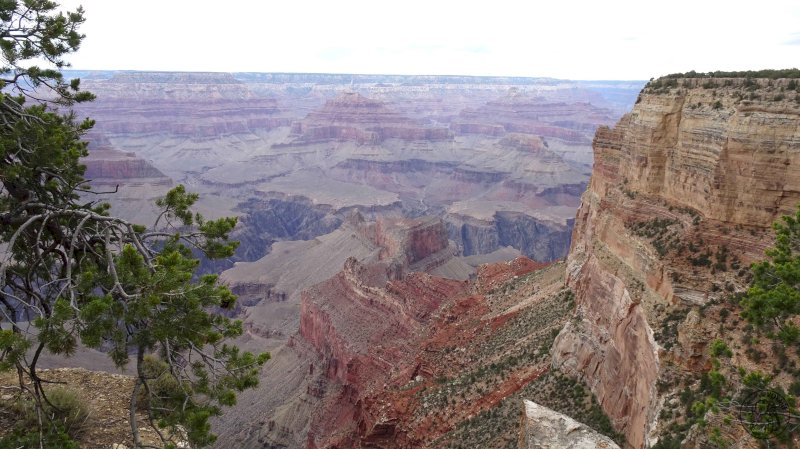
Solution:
(69, 409)
(53, 438)
(703, 260)
(65, 416)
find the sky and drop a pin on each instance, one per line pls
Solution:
(569, 39)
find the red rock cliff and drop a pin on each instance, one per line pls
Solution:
(695, 169)
(363, 328)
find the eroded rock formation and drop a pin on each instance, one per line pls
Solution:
(351, 116)
(547, 429)
(383, 144)
(683, 191)
(124, 179)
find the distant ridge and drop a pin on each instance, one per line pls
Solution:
(325, 78)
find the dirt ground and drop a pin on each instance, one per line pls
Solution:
(107, 396)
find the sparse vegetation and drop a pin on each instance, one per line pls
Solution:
(661, 232)
(521, 345)
(750, 74)
(754, 399)
(554, 390)
(667, 334)
(63, 415)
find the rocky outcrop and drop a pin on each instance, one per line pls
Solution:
(390, 316)
(387, 312)
(573, 121)
(683, 189)
(107, 165)
(536, 238)
(351, 116)
(408, 241)
(543, 428)
(269, 288)
(493, 275)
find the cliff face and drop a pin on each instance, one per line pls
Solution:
(107, 165)
(683, 191)
(540, 239)
(390, 315)
(357, 330)
(380, 343)
(408, 241)
(383, 361)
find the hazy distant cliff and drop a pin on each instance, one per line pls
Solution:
(683, 191)
(276, 149)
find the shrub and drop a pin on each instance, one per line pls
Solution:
(65, 413)
(69, 409)
(53, 438)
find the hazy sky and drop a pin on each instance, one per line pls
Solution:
(619, 39)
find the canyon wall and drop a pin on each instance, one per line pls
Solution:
(357, 320)
(412, 362)
(282, 151)
(539, 239)
(683, 192)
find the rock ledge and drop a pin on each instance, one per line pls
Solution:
(543, 428)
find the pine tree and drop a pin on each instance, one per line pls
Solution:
(80, 275)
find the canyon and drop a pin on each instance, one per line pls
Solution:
(433, 262)
(683, 193)
(502, 160)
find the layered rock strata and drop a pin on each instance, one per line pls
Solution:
(269, 288)
(682, 195)
(130, 183)
(351, 116)
(373, 142)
